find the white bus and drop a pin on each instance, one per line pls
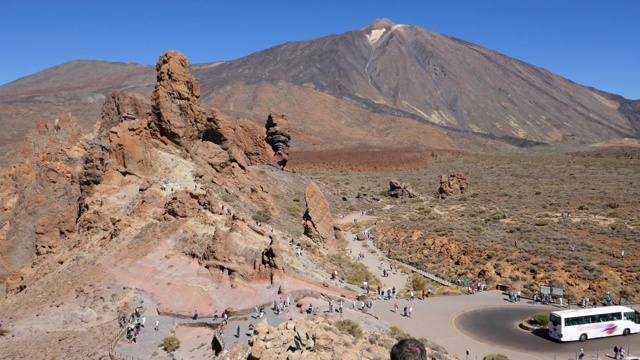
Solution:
(583, 324)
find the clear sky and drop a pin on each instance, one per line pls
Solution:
(592, 42)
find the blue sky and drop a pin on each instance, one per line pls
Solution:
(592, 42)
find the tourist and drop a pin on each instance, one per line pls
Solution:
(157, 325)
(408, 349)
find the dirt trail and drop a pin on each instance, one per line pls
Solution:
(374, 261)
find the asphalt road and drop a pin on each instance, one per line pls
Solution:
(498, 326)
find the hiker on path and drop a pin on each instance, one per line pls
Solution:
(395, 307)
(195, 315)
(238, 332)
(157, 325)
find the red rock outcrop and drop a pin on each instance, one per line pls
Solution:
(278, 137)
(454, 184)
(214, 142)
(317, 220)
(40, 200)
(398, 189)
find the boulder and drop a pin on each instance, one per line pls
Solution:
(398, 189)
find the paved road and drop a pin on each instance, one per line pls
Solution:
(502, 325)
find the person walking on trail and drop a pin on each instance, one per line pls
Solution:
(395, 307)
(615, 352)
(580, 354)
(157, 325)
(238, 332)
(410, 311)
(621, 353)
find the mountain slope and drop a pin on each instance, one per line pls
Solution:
(408, 71)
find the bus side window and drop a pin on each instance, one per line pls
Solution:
(628, 316)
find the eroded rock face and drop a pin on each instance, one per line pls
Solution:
(40, 200)
(278, 137)
(132, 151)
(317, 220)
(452, 185)
(398, 189)
(118, 108)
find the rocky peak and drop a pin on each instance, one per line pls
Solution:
(175, 103)
(378, 24)
(278, 137)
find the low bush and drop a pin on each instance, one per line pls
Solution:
(397, 333)
(262, 216)
(540, 319)
(495, 357)
(170, 343)
(350, 327)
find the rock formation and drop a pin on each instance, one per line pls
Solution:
(454, 184)
(213, 141)
(317, 220)
(272, 257)
(401, 190)
(278, 137)
(176, 110)
(130, 153)
(312, 339)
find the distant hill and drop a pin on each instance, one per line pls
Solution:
(385, 85)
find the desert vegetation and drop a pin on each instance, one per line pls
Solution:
(531, 218)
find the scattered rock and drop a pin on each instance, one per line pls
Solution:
(452, 185)
(401, 190)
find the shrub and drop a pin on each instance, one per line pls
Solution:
(495, 357)
(170, 343)
(397, 333)
(540, 319)
(262, 216)
(417, 282)
(543, 222)
(350, 327)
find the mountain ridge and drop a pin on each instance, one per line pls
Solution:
(421, 79)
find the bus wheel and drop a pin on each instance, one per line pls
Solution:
(583, 337)
(626, 332)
